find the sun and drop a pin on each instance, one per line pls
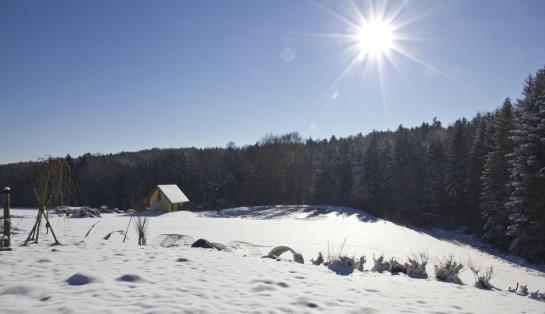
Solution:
(376, 35)
(375, 38)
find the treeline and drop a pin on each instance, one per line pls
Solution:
(486, 175)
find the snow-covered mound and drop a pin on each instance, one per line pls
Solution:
(93, 275)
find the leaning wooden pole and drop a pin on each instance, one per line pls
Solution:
(38, 224)
(48, 226)
(31, 234)
(7, 222)
(125, 236)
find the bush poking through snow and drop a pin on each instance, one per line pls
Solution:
(416, 267)
(396, 267)
(447, 270)
(341, 265)
(360, 263)
(521, 290)
(537, 296)
(381, 264)
(141, 228)
(319, 260)
(482, 278)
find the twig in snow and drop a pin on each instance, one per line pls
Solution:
(107, 237)
(87, 234)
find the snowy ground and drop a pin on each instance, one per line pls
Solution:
(126, 278)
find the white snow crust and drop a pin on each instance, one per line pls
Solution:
(92, 275)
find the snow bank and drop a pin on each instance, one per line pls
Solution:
(126, 278)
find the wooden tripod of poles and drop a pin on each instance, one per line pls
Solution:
(35, 232)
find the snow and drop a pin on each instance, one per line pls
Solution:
(173, 193)
(92, 275)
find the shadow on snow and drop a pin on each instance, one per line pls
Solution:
(460, 238)
(282, 211)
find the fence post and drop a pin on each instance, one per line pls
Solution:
(7, 222)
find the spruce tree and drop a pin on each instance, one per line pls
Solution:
(472, 188)
(373, 173)
(358, 193)
(527, 201)
(495, 178)
(433, 202)
(456, 174)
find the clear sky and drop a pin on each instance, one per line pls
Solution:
(110, 76)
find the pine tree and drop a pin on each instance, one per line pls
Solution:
(433, 202)
(358, 192)
(456, 174)
(472, 188)
(386, 167)
(327, 175)
(495, 179)
(373, 173)
(527, 200)
(402, 185)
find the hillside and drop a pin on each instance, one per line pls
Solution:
(126, 278)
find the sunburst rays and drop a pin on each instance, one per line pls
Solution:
(375, 36)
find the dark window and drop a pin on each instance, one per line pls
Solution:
(158, 196)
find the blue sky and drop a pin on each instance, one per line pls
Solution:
(110, 76)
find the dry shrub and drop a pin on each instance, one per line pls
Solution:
(447, 270)
(416, 267)
(536, 295)
(521, 290)
(482, 277)
(341, 265)
(338, 262)
(360, 263)
(396, 267)
(319, 260)
(381, 264)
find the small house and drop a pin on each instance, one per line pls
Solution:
(166, 197)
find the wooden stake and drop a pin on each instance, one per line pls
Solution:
(31, 234)
(38, 223)
(125, 237)
(7, 220)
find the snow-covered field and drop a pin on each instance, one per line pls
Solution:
(123, 277)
